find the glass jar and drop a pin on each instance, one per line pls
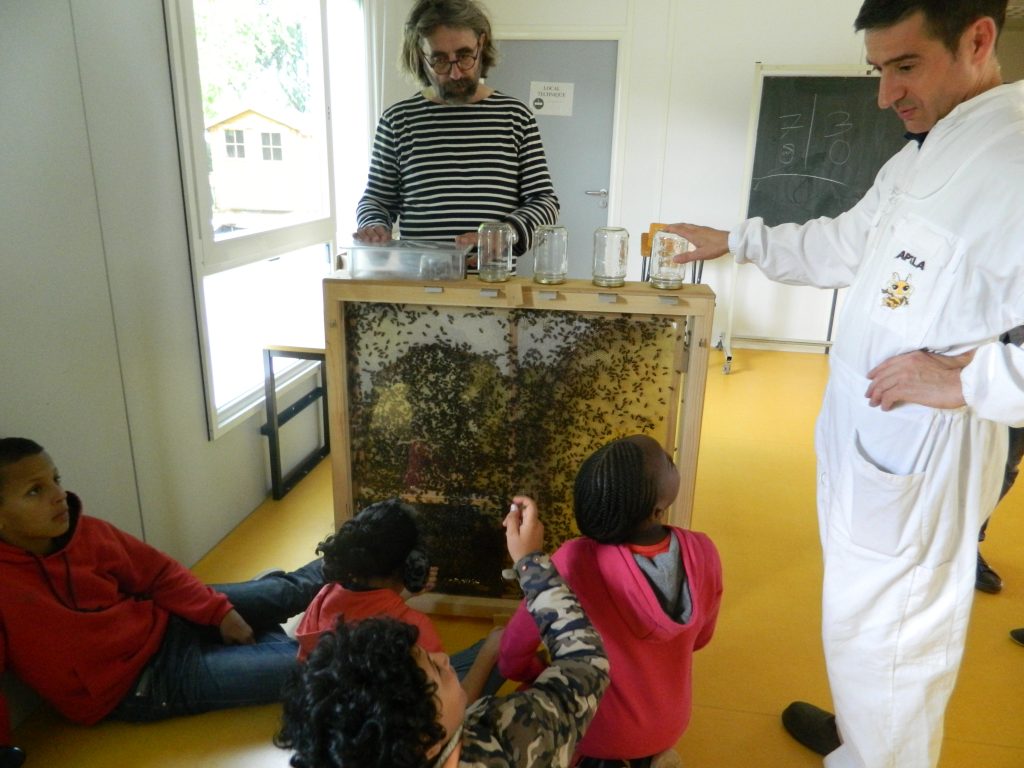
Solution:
(666, 272)
(550, 254)
(494, 251)
(611, 247)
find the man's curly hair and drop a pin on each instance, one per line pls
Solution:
(424, 19)
(360, 700)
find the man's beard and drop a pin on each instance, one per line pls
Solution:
(457, 91)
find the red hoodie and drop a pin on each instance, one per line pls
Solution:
(334, 603)
(78, 625)
(647, 706)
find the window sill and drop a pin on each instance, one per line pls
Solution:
(244, 408)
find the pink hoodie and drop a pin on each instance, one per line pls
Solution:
(647, 707)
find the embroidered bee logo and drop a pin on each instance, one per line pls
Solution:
(897, 292)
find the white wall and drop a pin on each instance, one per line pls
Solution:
(708, 155)
(62, 376)
(100, 346)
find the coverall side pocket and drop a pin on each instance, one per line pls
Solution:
(884, 512)
(926, 631)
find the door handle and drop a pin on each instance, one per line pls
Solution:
(601, 193)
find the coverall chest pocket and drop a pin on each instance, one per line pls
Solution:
(916, 271)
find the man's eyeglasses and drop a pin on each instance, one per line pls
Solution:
(442, 65)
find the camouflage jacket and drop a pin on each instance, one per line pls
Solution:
(540, 726)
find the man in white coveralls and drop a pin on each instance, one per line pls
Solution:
(911, 438)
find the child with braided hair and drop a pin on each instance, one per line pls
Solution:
(652, 591)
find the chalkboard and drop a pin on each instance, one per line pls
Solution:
(819, 142)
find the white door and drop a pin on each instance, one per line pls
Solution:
(578, 145)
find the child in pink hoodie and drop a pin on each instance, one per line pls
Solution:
(652, 591)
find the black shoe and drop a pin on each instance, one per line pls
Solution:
(1017, 635)
(985, 579)
(11, 757)
(811, 726)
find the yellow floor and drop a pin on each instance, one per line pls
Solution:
(755, 497)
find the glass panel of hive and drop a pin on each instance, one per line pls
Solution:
(456, 410)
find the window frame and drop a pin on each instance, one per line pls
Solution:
(234, 143)
(272, 151)
(207, 255)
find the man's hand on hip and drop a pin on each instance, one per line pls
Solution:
(925, 378)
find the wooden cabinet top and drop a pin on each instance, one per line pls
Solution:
(571, 296)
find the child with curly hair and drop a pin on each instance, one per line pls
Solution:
(370, 696)
(652, 592)
(372, 565)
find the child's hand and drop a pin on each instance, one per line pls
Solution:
(431, 584)
(235, 631)
(493, 641)
(492, 645)
(524, 532)
(476, 678)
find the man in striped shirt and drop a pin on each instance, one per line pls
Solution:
(458, 153)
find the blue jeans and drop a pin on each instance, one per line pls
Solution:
(1014, 454)
(462, 660)
(193, 671)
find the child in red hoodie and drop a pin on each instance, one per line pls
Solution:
(652, 591)
(102, 625)
(372, 565)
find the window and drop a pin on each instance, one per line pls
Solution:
(271, 146)
(245, 311)
(261, 234)
(235, 143)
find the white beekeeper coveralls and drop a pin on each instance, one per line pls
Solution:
(934, 257)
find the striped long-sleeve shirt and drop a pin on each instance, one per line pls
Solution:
(443, 169)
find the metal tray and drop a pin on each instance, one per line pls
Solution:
(405, 260)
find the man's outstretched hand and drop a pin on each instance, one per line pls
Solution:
(709, 243)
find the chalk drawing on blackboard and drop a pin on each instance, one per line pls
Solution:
(819, 142)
